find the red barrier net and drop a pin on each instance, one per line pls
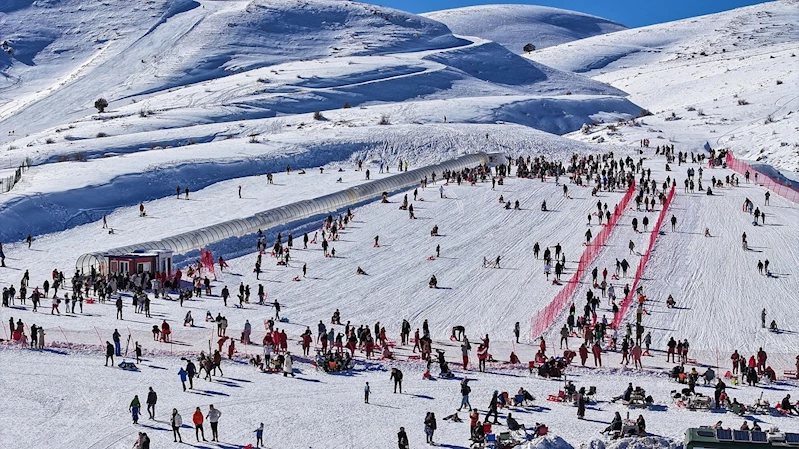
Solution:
(780, 188)
(546, 316)
(644, 259)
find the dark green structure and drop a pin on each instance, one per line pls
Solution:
(707, 438)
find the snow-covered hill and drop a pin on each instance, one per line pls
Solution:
(221, 61)
(215, 96)
(515, 26)
(728, 79)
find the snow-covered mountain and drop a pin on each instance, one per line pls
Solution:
(223, 97)
(515, 26)
(728, 79)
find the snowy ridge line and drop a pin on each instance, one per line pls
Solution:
(199, 238)
(780, 188)
(544, 319)
(644, 259)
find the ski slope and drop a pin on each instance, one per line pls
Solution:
(217, 94)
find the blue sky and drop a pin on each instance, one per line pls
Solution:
(633, 13)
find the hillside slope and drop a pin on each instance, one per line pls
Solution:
(514, 26)
(727, 79)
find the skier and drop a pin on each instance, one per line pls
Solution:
(366, 391)
(516, 331)
(673, 222)
(259, 436)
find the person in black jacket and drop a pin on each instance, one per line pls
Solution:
(402, 439)
(109, 353)
(492, 408)
(152, 398)
(396, 376)
(430, 426)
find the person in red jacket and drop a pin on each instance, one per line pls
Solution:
(583, 353)
(482, 355)
(197, 419)
(761, 361)
(543, 346)
(306, 341)
(597, 350)
(165, 331)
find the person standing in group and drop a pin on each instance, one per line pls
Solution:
(176, 422)
(197, 419)
(213, 418)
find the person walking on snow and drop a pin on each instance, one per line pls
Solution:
(152, 399)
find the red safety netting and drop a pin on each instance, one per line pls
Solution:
(207, 260)
(546, 316)
(644, 259)
(780, 188)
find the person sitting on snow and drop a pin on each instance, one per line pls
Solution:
(433, 282)
(514, 425)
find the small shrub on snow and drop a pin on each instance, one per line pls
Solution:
(768, 120)
(700, 112)
(347, 105)
(779, 82)
(101, 104)
(383, 120)
(742, 102)
(529, 48)
(49, 140)
(318, 116)
(644, 113)
(102, 134)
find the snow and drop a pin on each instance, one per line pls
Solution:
(514, 26)
(216, 94)
(699, 69)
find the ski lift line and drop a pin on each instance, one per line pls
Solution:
(199, 238)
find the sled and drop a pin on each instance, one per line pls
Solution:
(431, 258)
(284, 320)
(128, 366)
(296, 279)
(90, 301)
(691, 361)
